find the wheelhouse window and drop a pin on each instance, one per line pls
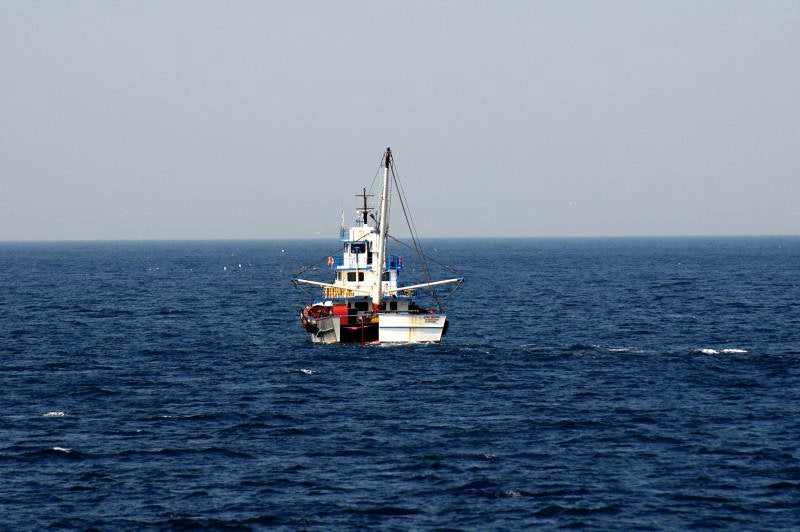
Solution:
(358, 247)
(351, 277)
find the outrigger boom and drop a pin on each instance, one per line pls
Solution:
(328, 285)
(424, 285)
(390, 291)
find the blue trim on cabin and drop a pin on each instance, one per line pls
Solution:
(393, 262)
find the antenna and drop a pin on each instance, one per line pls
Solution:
(364, 211)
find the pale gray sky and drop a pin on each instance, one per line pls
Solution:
(188, 119)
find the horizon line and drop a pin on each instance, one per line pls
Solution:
(320, 238)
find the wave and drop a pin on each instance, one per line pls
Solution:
(210, 416)
(172, 311)
(105, 312)
(555, 510)
(577, 348)
(485, 486)
(726, 351)
(191, 523)
(55, 452)
(94, 391)
(168, 452)
(384, 510)
(784, 485)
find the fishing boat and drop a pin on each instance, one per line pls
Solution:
(365, 302)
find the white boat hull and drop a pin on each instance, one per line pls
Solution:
(411, 328)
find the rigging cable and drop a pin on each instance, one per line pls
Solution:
(413, 231)
(377, 173)
(427, 257)
(312, 265)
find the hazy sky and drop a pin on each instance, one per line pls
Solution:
(188, 119)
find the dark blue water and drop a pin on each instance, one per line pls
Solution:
(621, 383)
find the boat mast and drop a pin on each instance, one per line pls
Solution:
(383, 226)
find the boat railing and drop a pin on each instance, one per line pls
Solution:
(393, 262)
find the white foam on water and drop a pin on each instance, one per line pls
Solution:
(307, 371)
(619, 349)
(62, 449)
(54, 413)
(512, 493)
(393, 345)
(726, 351)
(478, 350)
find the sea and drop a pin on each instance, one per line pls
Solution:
(605, 383)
